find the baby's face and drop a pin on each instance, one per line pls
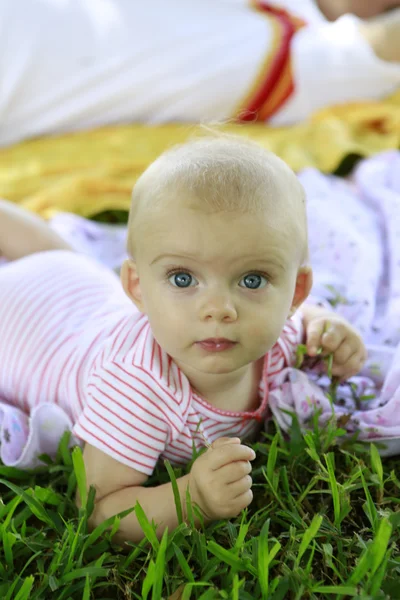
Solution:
(216, 277)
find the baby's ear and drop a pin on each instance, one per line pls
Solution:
(130, 283)
(303, 287)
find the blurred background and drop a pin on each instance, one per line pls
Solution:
(92, 90)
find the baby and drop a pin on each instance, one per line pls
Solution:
(217, 271)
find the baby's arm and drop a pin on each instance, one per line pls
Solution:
(119, 487)
(219, 484)
(23, 233)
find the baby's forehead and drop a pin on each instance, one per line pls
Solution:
(230, 238)
(218, 176)
(277, 199)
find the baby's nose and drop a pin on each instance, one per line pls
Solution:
(219, 307)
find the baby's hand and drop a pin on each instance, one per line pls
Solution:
(219, 480)
(335, 335)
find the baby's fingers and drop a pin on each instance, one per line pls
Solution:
(333, 338)
(228, 453)
(349, 359)
(224, 440)
(240, 487)
(315, 331)
(350, 368)
(234, 471)
(343, 353)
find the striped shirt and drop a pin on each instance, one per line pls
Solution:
(70, 336)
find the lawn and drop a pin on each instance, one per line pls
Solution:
(324, 523)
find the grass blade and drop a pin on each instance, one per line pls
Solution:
(374, 554)
(272, 456)
(25, 590)
(175, 489)
(148, 529)
(263, 560)
(308, 536)
(369, 507)
(340, 590)
(86, 591)
(377, 467)
(37, 509)
(159, 568)
(229, 558)
(183, 563)
(330, 462)
(80, 472)
(148, 580)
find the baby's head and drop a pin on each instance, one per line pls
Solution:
(218, 240)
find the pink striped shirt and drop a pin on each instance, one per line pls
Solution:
(70, 336)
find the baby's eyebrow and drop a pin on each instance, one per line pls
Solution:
(263, 262)
(183, 255)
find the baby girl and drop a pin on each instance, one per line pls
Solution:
(183, 353)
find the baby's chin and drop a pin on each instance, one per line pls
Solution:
(218, 363)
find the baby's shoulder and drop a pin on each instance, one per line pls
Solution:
(133, 357)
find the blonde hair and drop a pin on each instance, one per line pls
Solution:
(220, 173)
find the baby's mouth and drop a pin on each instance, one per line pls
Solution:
(216, 344)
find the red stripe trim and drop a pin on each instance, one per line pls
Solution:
(289, 26)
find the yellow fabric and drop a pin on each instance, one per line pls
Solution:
(89, 172)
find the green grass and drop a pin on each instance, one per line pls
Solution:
(324, 523)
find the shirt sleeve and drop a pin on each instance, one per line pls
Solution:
(128, 415)
(283, 353)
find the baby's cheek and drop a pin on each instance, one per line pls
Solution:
(161, 320)
(167, 334)
(261, 333)
(266, 329)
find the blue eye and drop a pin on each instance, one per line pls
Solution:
(181, 279)
(254, 281)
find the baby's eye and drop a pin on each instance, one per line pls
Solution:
(253, 281)
(181, 279)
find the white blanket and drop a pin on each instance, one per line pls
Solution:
(76, 64)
